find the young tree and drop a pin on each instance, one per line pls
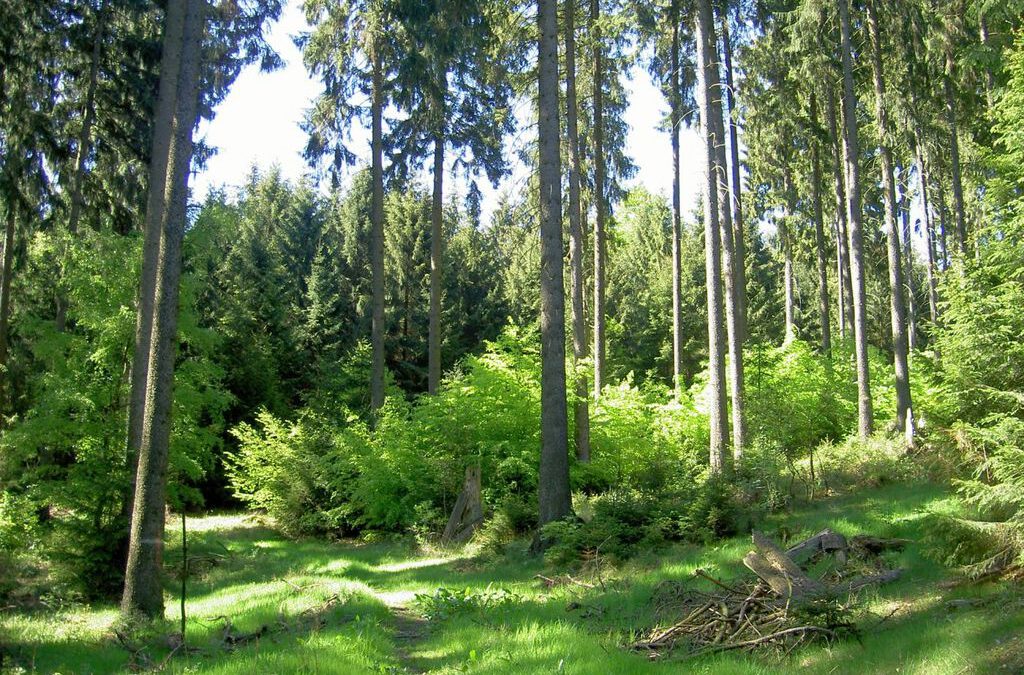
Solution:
(553, 482)
(600, 197)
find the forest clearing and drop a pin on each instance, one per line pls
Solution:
(526, 336)
(260, 603)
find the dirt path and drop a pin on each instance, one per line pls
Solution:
(410, 630)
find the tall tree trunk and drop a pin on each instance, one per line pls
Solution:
(908, 262)
(82, 154)
(990, 80)
(788, 278)
(959, 218)
(377, 223)
(6, 275)
(676, 119)
(943, 224)
(436, 269)
(739, 236)
(600, 201)
(819, 237)
(731, 268)
(553, 483)
(143, 591)
(929, 230)
(844, 280)
(897, 308)
(707, 79)
(865, 415)
(163, 122)
(577, 246)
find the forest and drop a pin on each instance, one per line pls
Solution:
(387, 419)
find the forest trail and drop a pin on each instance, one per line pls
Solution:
(411, 630)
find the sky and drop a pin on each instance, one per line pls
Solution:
(257, 124)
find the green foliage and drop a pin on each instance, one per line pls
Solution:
(299, 473)
(484, 605)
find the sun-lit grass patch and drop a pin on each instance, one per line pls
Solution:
(333, 607)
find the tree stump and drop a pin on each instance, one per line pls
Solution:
(468, 512)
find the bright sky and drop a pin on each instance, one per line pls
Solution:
(258, 124)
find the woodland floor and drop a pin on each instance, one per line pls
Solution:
(259, 603)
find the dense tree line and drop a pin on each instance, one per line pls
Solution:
(153, 349)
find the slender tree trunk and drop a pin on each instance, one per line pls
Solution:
(739, 236)
(990, 80)
(942, 225)
(731, 265)
(844, 280)
(788, 279)
(553, 483)
(865, 415)
(163, 122)
(959, 218)
(707, 78)
(377, 224)
(819, 238)
(82, 155)
(436, 269)
(6, 275)
(600, 201)
(143, 591)
(577, 246)
(929, 230)
(898, 311)
(908, 261)
(676, 118)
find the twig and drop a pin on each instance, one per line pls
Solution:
(802, 630)
(704, 575)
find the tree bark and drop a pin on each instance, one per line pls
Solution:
(600, 201)
(844, 281)
(933, 294)
(377, 223)
(731, 265)
(436, 269)
(163, 122)
(577, 246)
(6, 275)
(897, 307)
(908, 261)
(865, 416)
(707, 78)
(819, 237)
(553, 484)
(959, 217)
(739, 236)
(143, 592)
(676, 119)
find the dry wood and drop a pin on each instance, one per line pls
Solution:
(827, 541)
(468, 512)
(777, 570)
(859, 583)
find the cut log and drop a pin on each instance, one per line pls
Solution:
(468, 512)
(781, 574)
(825, 542)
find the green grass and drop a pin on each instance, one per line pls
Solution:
(256, 578)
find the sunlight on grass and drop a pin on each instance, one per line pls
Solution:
(327, 607)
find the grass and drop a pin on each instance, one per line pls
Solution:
(351, 608)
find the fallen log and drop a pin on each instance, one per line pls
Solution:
(779, 571)
(877, 545)
(825, 542)
(860, 583)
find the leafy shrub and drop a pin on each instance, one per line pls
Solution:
(300, 473)
(448, 603)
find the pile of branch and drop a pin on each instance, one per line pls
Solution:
(782, 608)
